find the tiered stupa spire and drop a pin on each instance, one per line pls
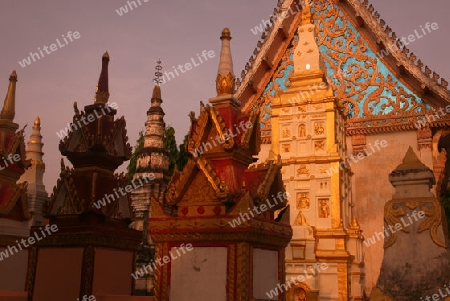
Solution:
(37, 195)
(152, 166)
(225, 81)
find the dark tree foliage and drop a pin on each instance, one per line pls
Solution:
(170, 145)
(446, 204)
(134, 156)
(177, 156)
(183, 155)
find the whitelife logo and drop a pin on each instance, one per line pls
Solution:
(243, 217)
(86, 119)
(188, 66)
(11, 250)
(206, 146)
(10, 160)
(381, 235)
(166, 259)
(53, 47)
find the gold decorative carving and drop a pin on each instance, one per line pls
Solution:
(247, 135)
(342, 281)
(200, 192)
(243, 277)
(286, 148)
(318, 107)
(225, 84)
(302, 130)
(319, 145)
(424, 138)
(157, 271)
(220, 127)
(318, 128)
(285, 132)
(300, 220)
(324, 209)
(301, 109)
(231, 272)
(303, 200)
(302, 170)
(394, 210)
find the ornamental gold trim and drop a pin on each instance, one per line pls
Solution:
(395, 210)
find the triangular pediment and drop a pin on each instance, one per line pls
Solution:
(380, 86)
(14, 201)
(198, 183)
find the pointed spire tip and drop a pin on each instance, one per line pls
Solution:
(156, 92)
(37, 122)
(226, 34)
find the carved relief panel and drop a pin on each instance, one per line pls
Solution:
(302, 200)
(302, 130)
(324, 208)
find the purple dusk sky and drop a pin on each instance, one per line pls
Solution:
(175, 31)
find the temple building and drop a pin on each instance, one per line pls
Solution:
(337, 168)
(316, 175)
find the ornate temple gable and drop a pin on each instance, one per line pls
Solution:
(96, 145)
(103, 133)
(198, 182)
(379, 93)
(77, 192)
(272, 183)
(14, 201)
(232, 136)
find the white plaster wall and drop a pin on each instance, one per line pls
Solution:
(265, 272)
(372, 189)
(200, 274)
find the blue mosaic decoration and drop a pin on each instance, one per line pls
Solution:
(370, 94)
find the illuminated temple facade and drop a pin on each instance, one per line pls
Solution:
(349, 136)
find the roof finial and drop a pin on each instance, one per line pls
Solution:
(225, 81)
(156, 95)
(9, 111)
(102, 93)
(158, 73)
(307, 15)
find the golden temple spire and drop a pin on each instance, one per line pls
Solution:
(35, 145)
(102, 93)
(9, 111)
(225, 81)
